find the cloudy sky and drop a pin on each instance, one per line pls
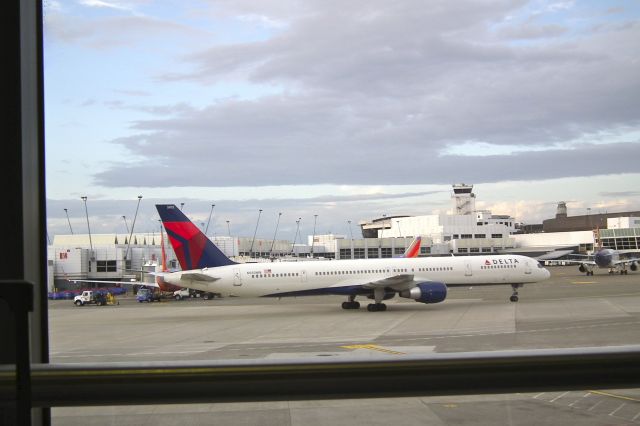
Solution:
(343, 109)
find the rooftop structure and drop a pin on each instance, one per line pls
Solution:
(587, 222)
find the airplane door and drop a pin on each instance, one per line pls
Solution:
(527, 268)
(467, 268)
(237, 278)
(303, 276)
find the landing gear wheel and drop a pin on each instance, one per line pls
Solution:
(514, 295)
(350, 305)
(376, 307)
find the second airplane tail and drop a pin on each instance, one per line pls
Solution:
(414, 248)
(193, 249)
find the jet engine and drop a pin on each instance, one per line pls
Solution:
(429, 292)
(633, 266)
(581, 268)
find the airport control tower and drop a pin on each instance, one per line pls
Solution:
(464, 200)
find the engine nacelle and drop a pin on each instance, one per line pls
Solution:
(429, 292)
(633, 266)
(582, 269)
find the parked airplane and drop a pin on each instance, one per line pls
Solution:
(206, 268)
(606, 258)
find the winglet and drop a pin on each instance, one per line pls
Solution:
(193, 249)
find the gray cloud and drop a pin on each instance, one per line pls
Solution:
(375, 91)
(614, 194)
(385, 91)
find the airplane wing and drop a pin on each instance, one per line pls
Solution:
(116, 282)
(577, 262)
(625, 261)
(552, 255)
(396, 282)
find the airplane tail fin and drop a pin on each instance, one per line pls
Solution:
(193, 249)
(414, 248)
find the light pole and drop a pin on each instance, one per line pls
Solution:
(274, 235)
(295, 238)
(181, 206)
(384, 220)
(399, 233)
(351, 235)
(229, 229)
(68, 221)
(210, 214)
(254, 233)
(84, 199)
(313, 238)
(133, 225)
(125, 223)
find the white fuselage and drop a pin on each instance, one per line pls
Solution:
(289, 278)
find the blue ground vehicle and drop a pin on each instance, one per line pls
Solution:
(147, 295)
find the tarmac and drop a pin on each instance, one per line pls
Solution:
(570, 310)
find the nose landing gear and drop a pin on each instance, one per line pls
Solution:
(514, 295)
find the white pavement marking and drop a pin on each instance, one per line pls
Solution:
(617, 409)
(558, 397)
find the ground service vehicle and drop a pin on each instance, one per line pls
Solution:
(182, 293)
(90, 297)
(147, 295)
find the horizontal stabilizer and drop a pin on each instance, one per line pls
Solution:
(195, 276)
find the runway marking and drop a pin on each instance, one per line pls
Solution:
(586, 395)
(374, 348)
(584, 282)
(617, 409)
(596, 404)
(558, 397)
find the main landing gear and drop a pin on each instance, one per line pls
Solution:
(514, 296)
(378, 295)
(351, 303)
(376, 307)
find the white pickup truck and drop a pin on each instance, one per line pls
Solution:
(183, 293)
(90, 297)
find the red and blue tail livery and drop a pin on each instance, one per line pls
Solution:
(193, 249)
